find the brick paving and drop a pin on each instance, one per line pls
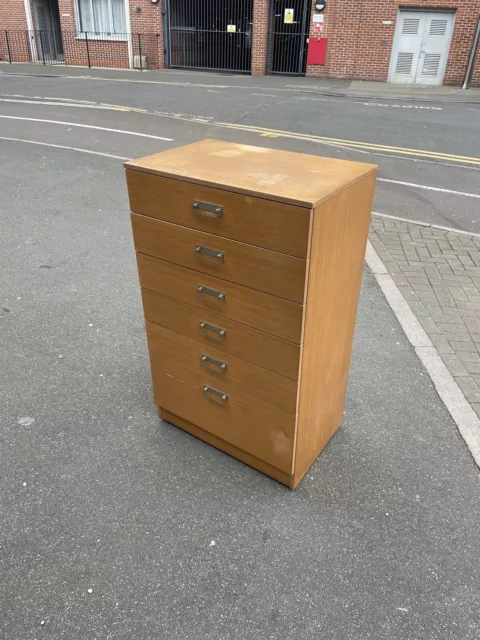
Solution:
(438, 273)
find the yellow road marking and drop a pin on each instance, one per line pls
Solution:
(278, 133)
(65, 99)
(353, 144)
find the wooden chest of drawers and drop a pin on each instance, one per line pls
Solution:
(250, 262)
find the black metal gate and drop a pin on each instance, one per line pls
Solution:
(209, 34)
(289, 25)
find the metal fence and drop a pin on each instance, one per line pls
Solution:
(210, 34)
(81, 48)
(289, 25)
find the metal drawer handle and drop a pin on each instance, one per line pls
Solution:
(212, 332)
(200, 252)
(211, 295)
(207, 210)
(214, 365)
(214, 395)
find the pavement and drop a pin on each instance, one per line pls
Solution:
(117, 525)
(325, 86)
(438, 273)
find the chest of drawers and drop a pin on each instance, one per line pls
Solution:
(250, 263)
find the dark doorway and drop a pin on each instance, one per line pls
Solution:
(209, 34)
(289, 25)
(48, 30)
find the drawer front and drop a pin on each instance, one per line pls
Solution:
(254, 346)
(220, 406)
(251, 385)
(255, 433)
(280, 227)
(267, 271)
(261, 311)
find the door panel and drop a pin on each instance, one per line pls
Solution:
(434, 49)
(421, 46)
(406, 48)
(47, 30)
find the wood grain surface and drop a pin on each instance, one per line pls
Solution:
(256, 426)
(249, 387)
(227, 447)
(261, 311)
(254, 346)
(279, 227)
(292, 178)
(268, 271)
(340, 231)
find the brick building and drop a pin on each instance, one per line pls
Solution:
(414, 41)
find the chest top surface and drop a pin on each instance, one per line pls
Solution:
(283, 176)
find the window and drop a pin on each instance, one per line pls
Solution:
(106, 17)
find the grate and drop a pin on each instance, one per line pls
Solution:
(210, 34)
(410, 26)
(438, 27)
(289, 25)
(431, 65)
(404, 64)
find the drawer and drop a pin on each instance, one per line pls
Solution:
(247, 413)
(261, 311)
(268, 271)
(230, 337)
(264, 223)
(250, 384)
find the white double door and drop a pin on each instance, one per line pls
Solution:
(420, 47)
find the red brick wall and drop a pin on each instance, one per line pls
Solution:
(106, 53)
(12, 15)
(149, 20)
(13, 19)
(359, 44)
(260, 37)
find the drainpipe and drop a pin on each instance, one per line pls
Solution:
(130, 35)
(471, 59)
(31, 34)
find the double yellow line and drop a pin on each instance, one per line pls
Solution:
(278, 133)
(353, 144)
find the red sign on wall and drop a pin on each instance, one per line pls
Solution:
(317, 51)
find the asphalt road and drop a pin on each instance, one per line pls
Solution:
(433, 146)
(379, 541)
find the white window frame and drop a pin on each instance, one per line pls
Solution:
(120, 37)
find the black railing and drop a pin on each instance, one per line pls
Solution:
(289, 25)
(210, 34)
(80, 48)
(202, 49)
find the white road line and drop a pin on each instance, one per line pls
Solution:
(264, 95)
(59, 146)
(79, 104)
(450, 393)
(90, 126)
(424, 186)
(399, 106)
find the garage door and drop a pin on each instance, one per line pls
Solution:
(421, 46)
(209, 34)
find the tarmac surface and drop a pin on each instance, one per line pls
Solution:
(173, 538)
